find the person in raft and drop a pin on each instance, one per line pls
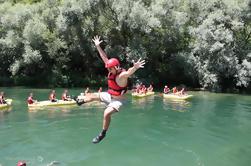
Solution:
(100, 89)
(175, 90)
(150, 88)
(2, 98)
(166, 89)
(87, 91)
(30, 99)
(181, 92)
(52, 96)
(66, 96)
(143, 90)
(21, 163)
(117, 86)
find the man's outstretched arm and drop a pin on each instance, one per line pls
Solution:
(139, 64)
(102, 54)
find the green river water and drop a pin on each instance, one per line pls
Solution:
(208, 130)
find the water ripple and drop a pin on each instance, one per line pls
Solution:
(180, 148)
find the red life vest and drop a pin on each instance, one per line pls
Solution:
(113, 87)
(30, 100)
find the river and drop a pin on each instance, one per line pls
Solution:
(208, 130)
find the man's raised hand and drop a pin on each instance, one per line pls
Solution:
(97, 40)
(139, 64)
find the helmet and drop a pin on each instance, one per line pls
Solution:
(112, 63)
(21, 163)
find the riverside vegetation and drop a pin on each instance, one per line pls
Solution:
(199, 43)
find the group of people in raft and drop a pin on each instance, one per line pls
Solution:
(174, 91)
(65, 96)
(142, 89)
(117, 86)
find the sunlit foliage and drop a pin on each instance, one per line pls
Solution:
(198, 43)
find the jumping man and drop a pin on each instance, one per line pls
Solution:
(117, 86)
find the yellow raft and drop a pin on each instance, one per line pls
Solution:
(8, 104)
(177, 97)
(48, 103)
(137, 95)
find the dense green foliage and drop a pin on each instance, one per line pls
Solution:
(198, 43)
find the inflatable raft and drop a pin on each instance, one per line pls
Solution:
(137, 95)
(48, 103)
(177, 97)
(8, 104)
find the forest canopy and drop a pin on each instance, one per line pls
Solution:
(198, 43)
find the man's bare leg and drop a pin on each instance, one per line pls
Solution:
(106, 123)
(88, 98)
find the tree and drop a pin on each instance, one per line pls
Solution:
(214, 47)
